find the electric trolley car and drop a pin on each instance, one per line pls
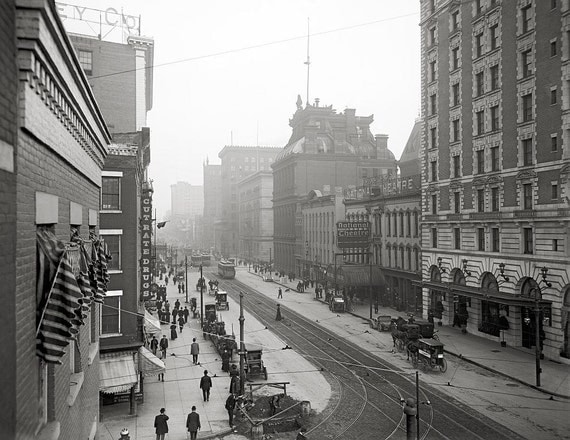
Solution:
(226, 270)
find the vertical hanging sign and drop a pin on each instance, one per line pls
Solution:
(146, 243)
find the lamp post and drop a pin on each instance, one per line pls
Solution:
(186, 277)
(201, 299)
(241, 346)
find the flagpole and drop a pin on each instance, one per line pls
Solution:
(49, 294)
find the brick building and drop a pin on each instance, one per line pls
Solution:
(255, 217)
(237, 163)
(495, 161)
(53, 146)
(325, 148)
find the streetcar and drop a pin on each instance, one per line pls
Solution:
(206, 259)
(196, 260)
(226, 269)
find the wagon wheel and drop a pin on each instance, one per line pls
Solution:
(265, 372)
(415, 359)
(424, 365)
(443, 366)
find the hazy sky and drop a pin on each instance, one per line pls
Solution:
(231, 67)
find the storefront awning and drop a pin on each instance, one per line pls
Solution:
(149, 364)
(151, 323)
(117, 374)
(359, 276)
(473, 292)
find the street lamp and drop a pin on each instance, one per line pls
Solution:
(537, 291)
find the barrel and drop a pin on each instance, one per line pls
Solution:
(305, 408)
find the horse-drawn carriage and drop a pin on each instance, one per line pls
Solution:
(201, 284)
(337, 303)
(429, 355)
(381, 323)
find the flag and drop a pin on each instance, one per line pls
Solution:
(58, 319)
(161, 225)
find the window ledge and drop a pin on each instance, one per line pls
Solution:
(110, 335)
(93, 351)
(75, 384)
(111, 211)
(49, 431)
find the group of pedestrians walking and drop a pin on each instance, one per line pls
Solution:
(192, 424)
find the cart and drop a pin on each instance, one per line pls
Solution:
(430, 355)
(254, 363)
(337, 304)
(381, 323)
(222, 300)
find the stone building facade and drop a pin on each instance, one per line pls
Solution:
(495, 163)
(212, 205)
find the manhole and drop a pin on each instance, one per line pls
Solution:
(496, 351)
(514, 385)
(496, 408)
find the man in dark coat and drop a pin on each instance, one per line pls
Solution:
(173, 332)
(186, 313)
(154, 344)
(174, 313)
(161, 424)
(163, 346)
(205, 385)
(230, 405)
(193, 423)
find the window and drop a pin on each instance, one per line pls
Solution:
(431, 37)
(480, 158)
(401, 224)
(553, 48)
(526, 16)
(480, 200)
(494, 199)
(494, 118)
(553, 96)
(113, 243)
(479, 84)
(454, 20)
(527, 151)
(495, 243)
(527, 196)
(553, 142)
(456, 166)
(480, 122)
(433, 164)
(478, 7)
(455, 58)
(527, 107)
(457, 201)
(433, 137)
(455, 130)
(416, 224)
(494, 72)
(494, 158)
(479, 45)
(434, 204)
(457, 238)
(552, 4)
(433, 237)
(526, 60)
(494, 31)
(481, 239)
(433, 104)
(111, 193)
(554, 190)
(111, 313)
(432, 71)
(86, 61)
(528, 246)
(409, 224)
(555, 245)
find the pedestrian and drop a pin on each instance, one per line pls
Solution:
(279, 293)
(166, 281)
(181, 322)
(179, 288)
(274, 404)
(183, 288)
(193, 423)
(186, 313)
(154, 344)
(173, 333)
(177, 304)
(205, 385)
(194, 351)
(167, 307)
(230, 405)
(226, 360)
(158, 305)
(161, 424)
(234, 380)
(278, 317)
(163, 347)
(174, 313)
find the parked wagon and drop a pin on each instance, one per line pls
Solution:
(222, 300)
(254, 363)
(337, 304)
(381, 323)
(430, 355)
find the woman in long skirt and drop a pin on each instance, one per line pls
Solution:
(173, 333)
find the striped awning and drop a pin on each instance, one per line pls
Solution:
(151, 323)
(149, 364)
(117, 374)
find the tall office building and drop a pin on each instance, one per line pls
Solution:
(212, 205)
(495, 165)
(186, 200)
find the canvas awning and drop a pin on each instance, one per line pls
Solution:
(151, 323)
(359, 276)
(149, 364)
(117, 374)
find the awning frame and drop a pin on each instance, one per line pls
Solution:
(117, 374)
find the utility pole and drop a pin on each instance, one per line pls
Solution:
(201, 299)
(418, 405)
(241, 346)
(186, 277)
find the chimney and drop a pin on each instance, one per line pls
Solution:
(381, 141)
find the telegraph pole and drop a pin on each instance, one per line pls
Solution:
(201, 299)
(186, 277)
(241, 346)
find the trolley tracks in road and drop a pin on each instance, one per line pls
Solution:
(370, 389)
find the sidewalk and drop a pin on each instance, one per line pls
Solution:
(516, 364)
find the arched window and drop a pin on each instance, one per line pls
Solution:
(489, 282)
(435, 274)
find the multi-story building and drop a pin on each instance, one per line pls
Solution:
(255, 217)
(320, 212)
(186, 200)
(53, 146)
(237, 163)
(325, 149)
(212, 205)
(495, 161)
(392, 205)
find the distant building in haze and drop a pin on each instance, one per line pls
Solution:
(212, 205)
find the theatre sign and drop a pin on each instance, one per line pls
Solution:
(353, 234)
